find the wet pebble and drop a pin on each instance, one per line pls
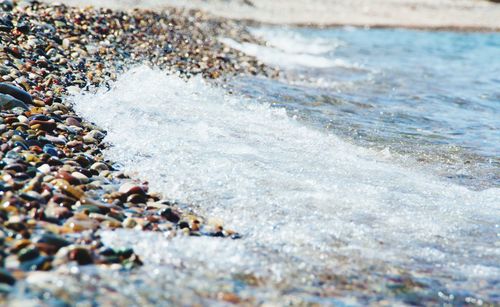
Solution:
(17, 93)
(56, 189)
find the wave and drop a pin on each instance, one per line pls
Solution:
(301, 198)
(294, 42)
(282, 58)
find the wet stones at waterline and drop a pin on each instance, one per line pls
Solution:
(57, 191)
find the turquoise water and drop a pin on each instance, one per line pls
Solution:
(431, 95)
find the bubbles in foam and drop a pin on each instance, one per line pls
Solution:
(294, 42)
(303, 200)
(275, 56)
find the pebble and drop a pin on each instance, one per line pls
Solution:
(81, 255)
(81, 177)
(57, 189)
(130, 188)
(98, 166)
(8, 102)
(17, 93)
(6, 277)
(129, 223)
(53, 240)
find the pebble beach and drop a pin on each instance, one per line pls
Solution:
(192, 153)
(57, 190)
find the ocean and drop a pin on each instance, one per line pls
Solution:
(369, 169)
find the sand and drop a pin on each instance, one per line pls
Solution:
(432, 14)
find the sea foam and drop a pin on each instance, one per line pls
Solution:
(302, 200)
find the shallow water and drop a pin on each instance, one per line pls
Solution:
(342, 215)
(311, 207)
(432, 95)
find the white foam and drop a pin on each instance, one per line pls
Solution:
(276, 56)
(300, 198)
(296, 43)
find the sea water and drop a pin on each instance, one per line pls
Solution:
(431, 95)
(320, 172)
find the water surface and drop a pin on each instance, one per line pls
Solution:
(332, 174)
(431, 95)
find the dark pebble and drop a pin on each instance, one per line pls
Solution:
(170, 215)
(137, 199)
(7, 5)
(81, 255)
(168, 49)
(53, 240)
(39, 263)
(107, 251)
(8, 102)
(23, 28)
(124, 253)
(6, 277)
(28, 254)
(16, 92)
(50, 149)
(16, 167)
(183, 225)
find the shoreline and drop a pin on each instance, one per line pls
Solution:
(452, 29)
(57, 188)
(448, 15)
(72, 199)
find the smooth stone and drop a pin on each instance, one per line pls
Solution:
(7, 5)
(129, 188)
(80, 176)
(137, 198)
(81, 255)
(107, 251)
(83, 160)
(75, 225)
(99, 166)
(68, 189)
(71, 121)
(34, 142)
(23, 28)
(16, 92)
(32, 196)
(6, 277)
(87, 209)
(65, 43)
(96, 134)
(21, 144)
(50, 149)
(40, 117)
(16, 167)
(118, 215)
(170, 215)
(55, 140)
(74, 143)
(42, 124)
(16, 137)
(68, 177)
(27, 254)
(183, 225)
(54, 240)
(39, 263)
(129, 223)
(54, 161)
(125, 252)
(23, 119)
(44, 168)
(168, 49)
(8, 102)
(88, 139)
